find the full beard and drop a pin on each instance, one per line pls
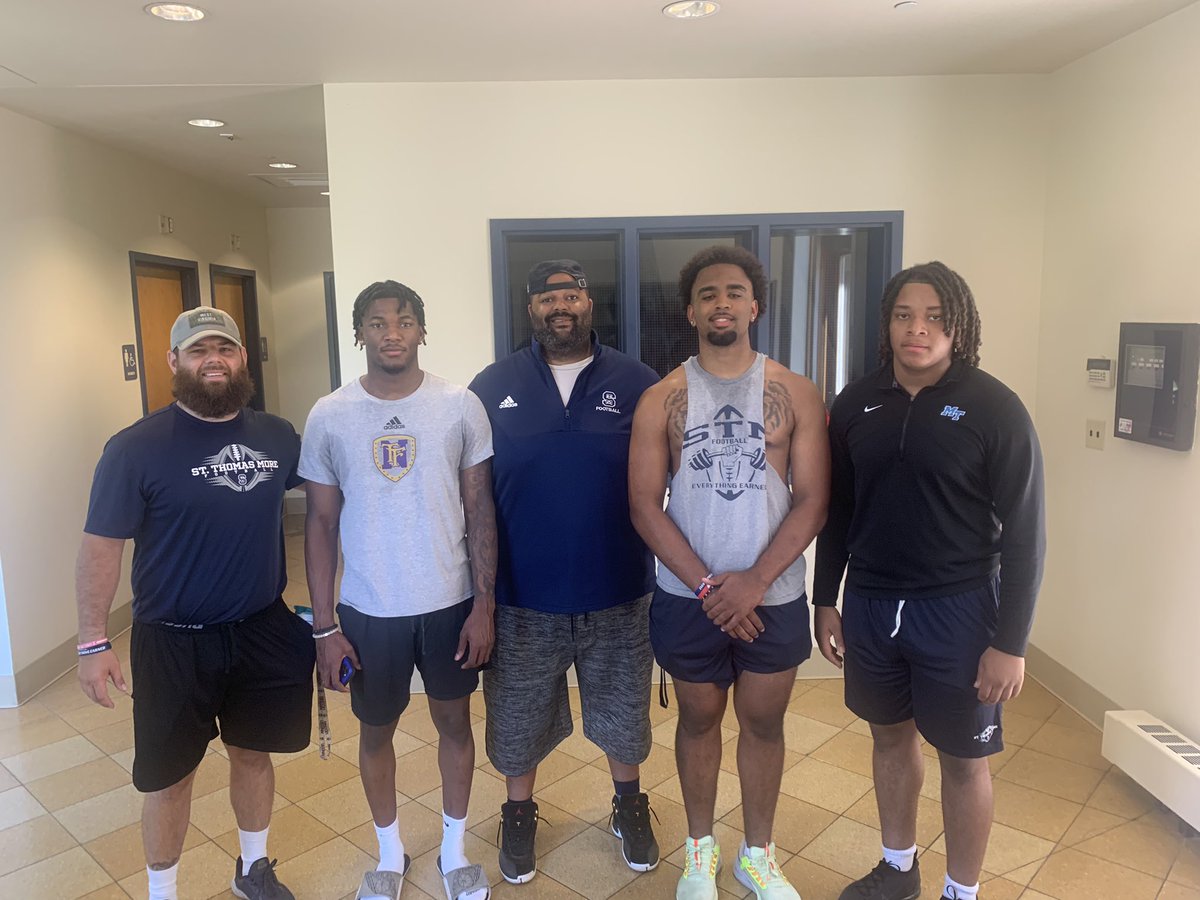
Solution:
(555, 342)
(209, 400)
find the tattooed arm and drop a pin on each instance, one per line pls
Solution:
(793, 404)
(478, 633)
(657, 424)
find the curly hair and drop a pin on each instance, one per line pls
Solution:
(960, 317)
(392, 290)
(721, 254)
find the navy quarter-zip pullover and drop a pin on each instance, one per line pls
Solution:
(560, 478)
(933, 495)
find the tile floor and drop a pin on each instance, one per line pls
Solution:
(1068, 825)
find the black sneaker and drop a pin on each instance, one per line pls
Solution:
(261, 883)
(518, 827)
(886, 883)
(630, 821)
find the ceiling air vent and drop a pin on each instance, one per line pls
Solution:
(293, 179)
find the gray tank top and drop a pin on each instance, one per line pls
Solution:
(726, 498)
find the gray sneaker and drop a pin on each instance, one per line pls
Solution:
(885, 882)
(261, 883)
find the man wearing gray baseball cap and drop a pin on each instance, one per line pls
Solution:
(198, 485)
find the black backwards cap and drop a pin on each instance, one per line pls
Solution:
(539, 274)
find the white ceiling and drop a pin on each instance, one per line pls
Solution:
(108, 70)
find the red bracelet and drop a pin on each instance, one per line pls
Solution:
(704, 588)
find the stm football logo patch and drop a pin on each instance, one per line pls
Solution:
(237, 467)
(394, 455)
(729, 458)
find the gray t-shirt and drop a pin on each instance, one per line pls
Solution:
(726, 498)
(397, 463)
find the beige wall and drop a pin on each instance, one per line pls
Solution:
(301, 251)
(70, 212)
(963, 157)
(1121, 604)
(418, 170)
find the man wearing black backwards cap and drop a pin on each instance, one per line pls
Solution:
(199, 487)
(574, 579)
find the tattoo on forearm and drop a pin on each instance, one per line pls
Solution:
(480, 511)
(676, 406)
(777, 406)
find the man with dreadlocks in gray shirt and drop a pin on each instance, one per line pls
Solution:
(743, 441)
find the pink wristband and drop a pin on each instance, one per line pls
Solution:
(88, 644)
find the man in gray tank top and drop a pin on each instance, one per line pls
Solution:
(743, 443)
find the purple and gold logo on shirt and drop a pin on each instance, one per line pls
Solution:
(394, 455)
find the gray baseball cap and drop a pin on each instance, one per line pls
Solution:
(202, 322)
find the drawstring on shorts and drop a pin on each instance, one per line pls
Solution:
(899, 610)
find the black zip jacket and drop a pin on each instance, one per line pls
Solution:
(933, 495)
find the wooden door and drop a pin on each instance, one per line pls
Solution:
(159, 302)
(227, 295)
(234, 291)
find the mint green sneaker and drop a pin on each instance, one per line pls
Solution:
(758, 870)
(701, 863)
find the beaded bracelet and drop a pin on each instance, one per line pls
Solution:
(326, 632)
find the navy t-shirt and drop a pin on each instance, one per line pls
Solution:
(203, 502)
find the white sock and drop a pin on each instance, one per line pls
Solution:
(254, 847)
(391, 848)
(900, 860)
(162, 882)
(958, 891)
(454, 852)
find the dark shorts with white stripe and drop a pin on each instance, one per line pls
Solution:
(918, 660)
(525, 690)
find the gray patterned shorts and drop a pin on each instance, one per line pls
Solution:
(525, 690)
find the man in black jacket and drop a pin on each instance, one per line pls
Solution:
(937, 517)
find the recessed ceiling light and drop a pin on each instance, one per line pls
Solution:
(206, 123)
(175, 12)
(324, 193)
(282, 165)
(691, 9)
(902, 4)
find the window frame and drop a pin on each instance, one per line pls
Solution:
(884, 261)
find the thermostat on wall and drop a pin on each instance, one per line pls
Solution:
(1100, 372)
(1160, 371)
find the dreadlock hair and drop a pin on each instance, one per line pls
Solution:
(960, 318)
(722, 254)
(391, 290)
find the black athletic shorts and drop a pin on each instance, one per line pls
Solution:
(918, 659)
(390, 648)
(690, 647)
(253, 677)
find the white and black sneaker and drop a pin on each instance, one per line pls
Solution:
(518, 828)
(630, 821)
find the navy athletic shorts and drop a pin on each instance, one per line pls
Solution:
(690, 647)
(918, 659)
(390, 648)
